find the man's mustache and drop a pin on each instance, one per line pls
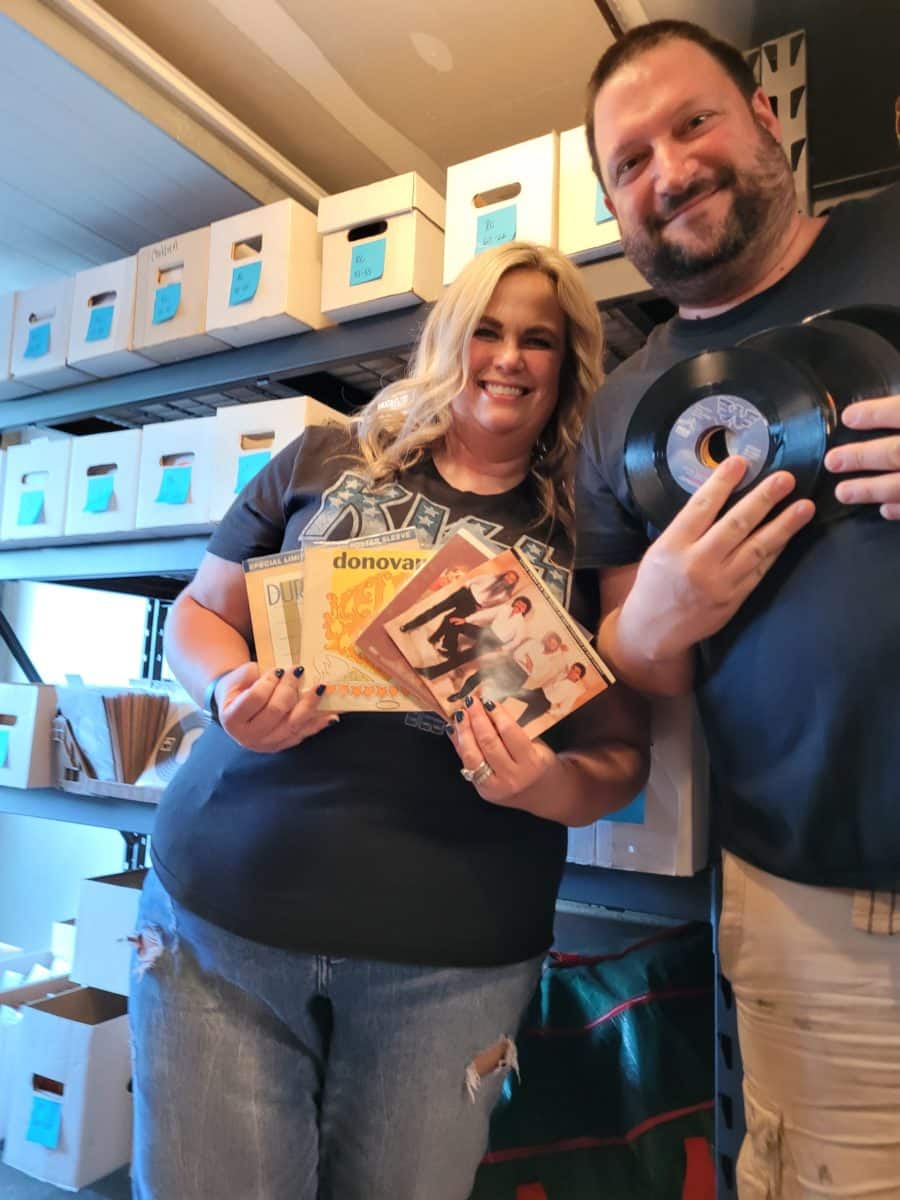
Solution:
(671, 202)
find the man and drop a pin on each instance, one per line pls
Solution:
(491, 629)
(787, 626)
(521, 674)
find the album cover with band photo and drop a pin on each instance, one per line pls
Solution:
(497, 633)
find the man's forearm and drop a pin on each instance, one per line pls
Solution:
(655, 677)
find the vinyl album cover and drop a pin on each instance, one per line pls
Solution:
(498, 633)
(438, 578)
(275, 594)
(345, 584)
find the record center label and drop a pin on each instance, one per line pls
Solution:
(710, 430)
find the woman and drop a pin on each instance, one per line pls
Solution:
(347, 916)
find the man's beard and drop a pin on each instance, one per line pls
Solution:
(763, 201)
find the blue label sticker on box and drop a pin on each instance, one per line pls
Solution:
(367, 262)
(100, 323)
(38, 341)
(250, 465)
(601, 212)
(496, 228)
(31, 508)
(632, 814)
(99, 493)
(4, 745)
(165, 303)
(175, 485)
(244, 282)
(44, 1122)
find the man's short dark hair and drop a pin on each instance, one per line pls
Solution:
(523, 600)
(581, 667)
(646, 37)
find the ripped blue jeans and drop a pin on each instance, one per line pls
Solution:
(267, 1074)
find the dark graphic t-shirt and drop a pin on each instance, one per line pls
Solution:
(800, 692)
(364, 840)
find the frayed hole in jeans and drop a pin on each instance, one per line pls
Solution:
(149, 946)
(502, 1056)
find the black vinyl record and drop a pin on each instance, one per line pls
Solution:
(721, 402)
(882, 319)
(852, 363)
(776, 399)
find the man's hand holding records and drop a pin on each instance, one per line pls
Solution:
(270, 710)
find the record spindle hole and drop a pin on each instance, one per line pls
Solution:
(712, 447)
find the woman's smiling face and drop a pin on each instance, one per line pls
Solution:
(515, 359)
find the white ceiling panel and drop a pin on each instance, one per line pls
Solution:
(84, 178)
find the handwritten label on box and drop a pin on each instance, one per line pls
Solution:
(44, 1122)
(166, 302)
(601, 211)
(175, 485)
(244, 282)
(250, 465)
(31, 507)
(495, 228)
(99, 493)
(367, 262)
(38, 341)
(100, 323)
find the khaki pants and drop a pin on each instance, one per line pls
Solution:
(818, 1009)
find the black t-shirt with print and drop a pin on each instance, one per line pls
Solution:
(800, 692)
(363, 841)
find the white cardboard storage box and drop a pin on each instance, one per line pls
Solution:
(107, 918)
(41, 336)
(265, 275)
(170, 304)
(103, 482)
(587, 229)
(666, 829)
(26, 715)
(508, 195)
(101, 332)
(176, 473)
(11, 1002)
(70, 1107)
(10, 389)
(35, 489)
(249, 435)
(382, 247)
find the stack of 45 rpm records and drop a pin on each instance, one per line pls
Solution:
(775, 399)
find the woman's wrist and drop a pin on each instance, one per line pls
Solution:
(210, 702)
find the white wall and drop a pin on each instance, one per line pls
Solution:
(65, 630)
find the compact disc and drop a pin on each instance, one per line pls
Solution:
(752, 402)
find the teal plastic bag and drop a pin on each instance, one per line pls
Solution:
(617, 1085)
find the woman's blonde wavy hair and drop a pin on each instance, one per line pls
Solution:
(409, 419)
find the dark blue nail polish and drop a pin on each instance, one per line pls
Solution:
(458, 715)
(490, 705)
(320, 690)
(279, 672)
(449, 730)
(298, 671)
(468, 702)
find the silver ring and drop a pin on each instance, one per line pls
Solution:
(477, 774)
